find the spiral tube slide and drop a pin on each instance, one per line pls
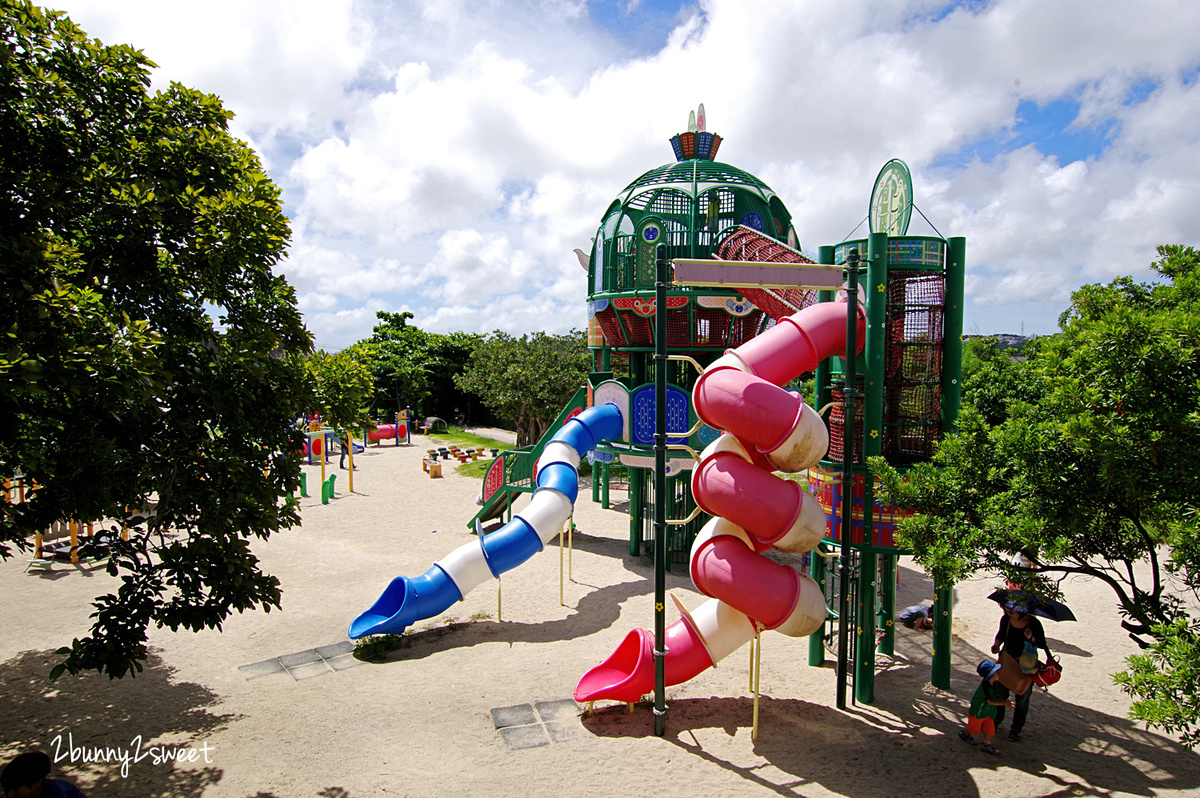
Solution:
(767, 429)
(410, 599)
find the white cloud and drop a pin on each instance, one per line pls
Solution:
(446, 157)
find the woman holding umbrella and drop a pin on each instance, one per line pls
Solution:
(1017, 641)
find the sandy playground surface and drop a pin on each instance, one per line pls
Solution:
(279, 709)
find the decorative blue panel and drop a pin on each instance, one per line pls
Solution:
(642, 410)
(706, 435)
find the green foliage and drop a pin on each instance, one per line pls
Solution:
(1165, 680)
(148, 351)
(994, 378)
(375, 648)
(1090, 460)
(416, 369)
(527, 380)
(341, 386)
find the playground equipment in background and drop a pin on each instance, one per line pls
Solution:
(396, 430)
(767, 429)
(320, 443)
(430, 424)
(408, 599)
(65, 538)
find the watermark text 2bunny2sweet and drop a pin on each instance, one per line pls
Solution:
(134, 753)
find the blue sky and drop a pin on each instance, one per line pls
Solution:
(446, 156)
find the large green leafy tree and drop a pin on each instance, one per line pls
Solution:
(1090, 460)
(145, 359)
(994, 378)
(416, 369)
(341, 386)
(527, 380)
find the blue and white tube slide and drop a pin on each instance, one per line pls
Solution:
(410, 599)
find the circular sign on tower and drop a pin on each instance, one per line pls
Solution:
(891, 199)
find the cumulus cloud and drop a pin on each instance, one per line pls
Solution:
(446, 157)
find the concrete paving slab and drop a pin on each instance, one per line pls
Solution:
(518, 715)
(518, 737)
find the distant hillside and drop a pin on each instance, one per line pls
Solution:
(1005, 340)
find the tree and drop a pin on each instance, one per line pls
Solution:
(1092, 463)
(398, 365)
(994, 377)
(149, 365)
(527, 380)
(414, 368)
(341, 386)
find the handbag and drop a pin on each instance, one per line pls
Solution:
(1049, 673)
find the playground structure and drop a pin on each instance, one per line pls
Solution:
(734, 272)
(67, 538)
(407, 599)
(703, 312)
(767, 429)
(320, 440)
(396, 430)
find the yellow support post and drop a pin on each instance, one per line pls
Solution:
(757, 680)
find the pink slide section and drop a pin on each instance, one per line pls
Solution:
(766, 429)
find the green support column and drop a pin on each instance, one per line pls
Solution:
(660, 492)
(595, 483)
(816, 641)
(602, 473)
(864, 628)
(952, 343)
(637, 501)
(850, 395)
(943, 616)
(822, 395)
(875, 298)
(887, 602)
(943, 621)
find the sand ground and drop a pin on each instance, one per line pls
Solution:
(422, 723)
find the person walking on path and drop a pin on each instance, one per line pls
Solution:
(1019, 637)
(990, 697)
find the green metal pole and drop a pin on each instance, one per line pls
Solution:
(595, 482)
(873, 350)
(952, 343)
(816, 641)
(822, 395)
(602, 473)
(660, 493)
(637, 503)
(850, 397)
(887, 610)
(943, 618)
(864, 657)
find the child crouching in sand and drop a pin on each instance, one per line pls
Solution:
(982, 717)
